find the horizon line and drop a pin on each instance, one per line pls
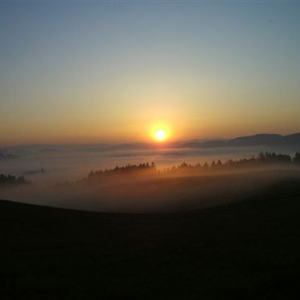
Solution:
(153, 143)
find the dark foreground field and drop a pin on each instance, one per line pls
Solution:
(246, 250)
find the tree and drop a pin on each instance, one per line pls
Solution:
(297, 158)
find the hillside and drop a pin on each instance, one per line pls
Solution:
(246, 250)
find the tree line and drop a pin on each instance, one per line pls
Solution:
(11, 180)
(262, 159)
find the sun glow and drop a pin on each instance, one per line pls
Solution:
(160, 135)
(160, 132)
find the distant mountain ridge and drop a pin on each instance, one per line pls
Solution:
(264, 139)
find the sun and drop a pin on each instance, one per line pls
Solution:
(160, 132)
(160, 135)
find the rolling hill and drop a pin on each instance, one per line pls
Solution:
(245, 250)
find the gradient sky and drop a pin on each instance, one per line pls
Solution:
(91, 71)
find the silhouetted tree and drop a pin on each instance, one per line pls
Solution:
(297, 158)
(11, 180)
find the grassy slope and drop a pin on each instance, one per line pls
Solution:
(246, 250)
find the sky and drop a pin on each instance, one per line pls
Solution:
(113, 71)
